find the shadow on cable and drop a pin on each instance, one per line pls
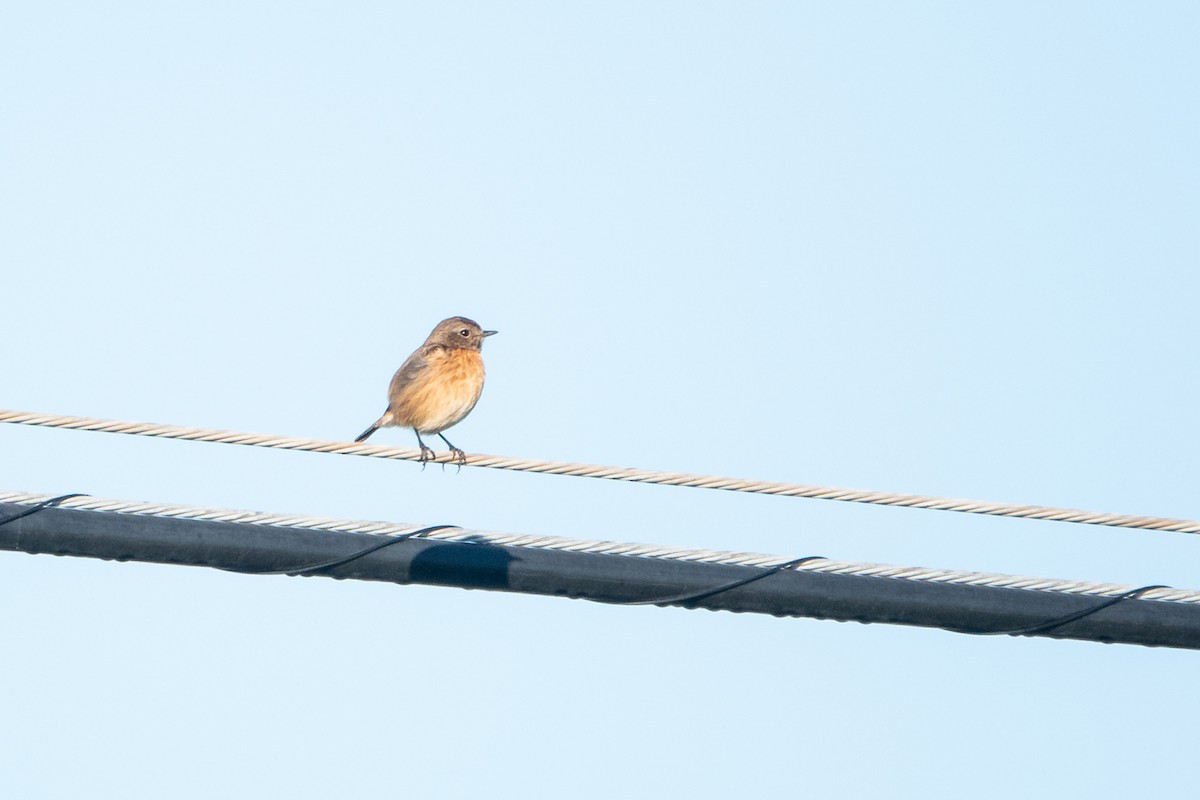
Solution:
(471, 565)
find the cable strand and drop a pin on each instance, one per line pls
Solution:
(694, 597)
(610, 473)
(53, 501)
(1058, 622)
(313, 569)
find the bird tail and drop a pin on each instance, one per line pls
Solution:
(386, 419)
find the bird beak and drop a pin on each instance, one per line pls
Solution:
(490, 333)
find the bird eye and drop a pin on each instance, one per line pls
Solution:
(465, 332)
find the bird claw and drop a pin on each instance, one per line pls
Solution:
(426, 455)
(458, 456)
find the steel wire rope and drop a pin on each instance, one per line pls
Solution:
(935, 503)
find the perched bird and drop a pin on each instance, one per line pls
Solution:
(438, 385)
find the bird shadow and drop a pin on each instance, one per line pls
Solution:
(471, 564)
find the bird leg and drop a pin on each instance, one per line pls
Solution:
(427, 453)
(460, 457)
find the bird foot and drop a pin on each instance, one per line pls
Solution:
(458, 456)
(427, 454)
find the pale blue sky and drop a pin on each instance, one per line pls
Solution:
(943, 248)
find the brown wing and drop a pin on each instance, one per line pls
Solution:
(409, 372)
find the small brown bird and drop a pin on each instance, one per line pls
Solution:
(438, 385)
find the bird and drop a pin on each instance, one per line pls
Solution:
(438, 385)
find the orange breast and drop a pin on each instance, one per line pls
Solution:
(445, 392)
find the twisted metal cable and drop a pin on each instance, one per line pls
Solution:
(609, 473)
(629, 549)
